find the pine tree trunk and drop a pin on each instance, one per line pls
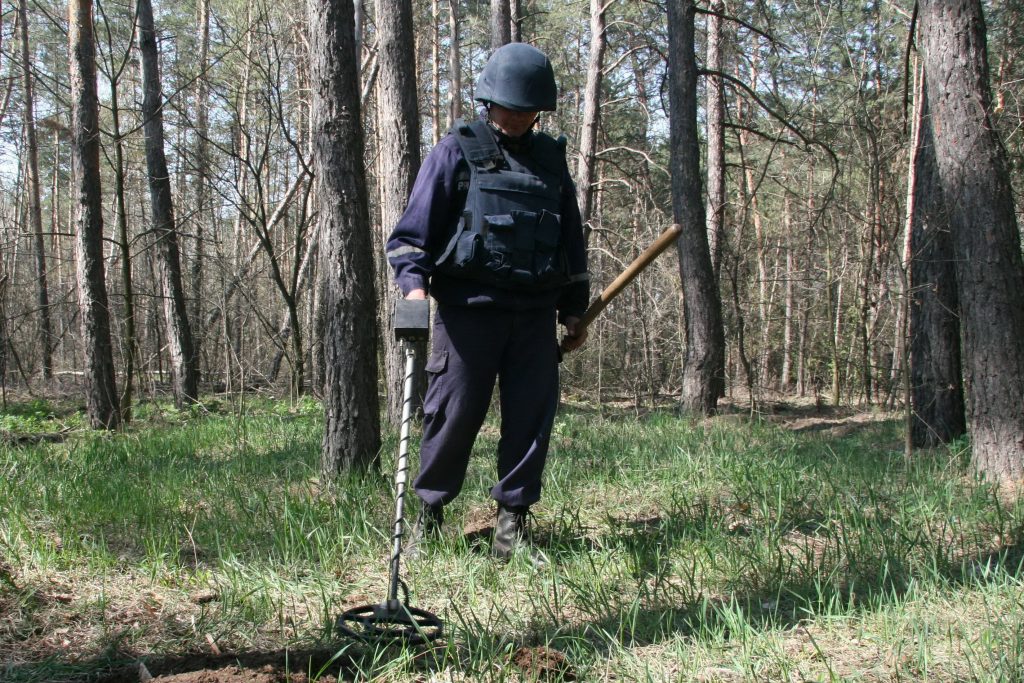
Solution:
(789, 299)
(716, 138)
(101, 389)
(704, 363)
(586, 169)
(399, 162)
(131, 344)
(202, 177)
(454, 63)
(937, 390)
(352, 419)
(179, 330)
(986, 239)
(35, 211)
(435, 71)
(501, 23)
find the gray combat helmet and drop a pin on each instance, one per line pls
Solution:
(518, 77)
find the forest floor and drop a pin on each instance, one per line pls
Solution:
(795, 542)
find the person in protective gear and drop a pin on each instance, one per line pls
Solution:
(492, 233)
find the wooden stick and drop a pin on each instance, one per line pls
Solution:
(629, 274)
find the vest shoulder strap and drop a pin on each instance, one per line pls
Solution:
(478, 145)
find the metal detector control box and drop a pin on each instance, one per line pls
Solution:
(412, 319)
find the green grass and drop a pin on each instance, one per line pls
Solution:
(720, 549)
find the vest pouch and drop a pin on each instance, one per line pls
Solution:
(469, 251)
(501, 230)
(549, 262)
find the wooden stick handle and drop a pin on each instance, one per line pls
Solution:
(629, 274)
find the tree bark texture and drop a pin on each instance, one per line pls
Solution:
(586, 170)
(704, 360)
(352, 420)
(986, 241)
(399, 161)
(937, 390)
(454, 63)
(716, 137)
(202, 176)
(184, 376)
(101, 390)
(131, 356)
(501, 23)
(35, 210)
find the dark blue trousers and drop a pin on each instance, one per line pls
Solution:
(471, 348)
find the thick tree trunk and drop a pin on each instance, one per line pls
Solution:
(586, 169)
(185, 381)
(35, 210)
(352, 419)
(986, 239)
(101, 389)
(501, 23)
(399, 162)
(716, 138)
(704, 362)
(937, 390)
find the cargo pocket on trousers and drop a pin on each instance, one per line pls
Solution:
(436, 367)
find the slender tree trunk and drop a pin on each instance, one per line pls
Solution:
(501, 23)
(716, 137)
(4, 279)
(352, 420)
(131, 344)
(516, 8)
(101, 390)
(937, 390)
(586, 170)
(454, 63)
(399, 162)
(435, 71)
(35, 211)
(179, 331)
(789, 299)
(704, 362)
(986, 239)
(202, 177)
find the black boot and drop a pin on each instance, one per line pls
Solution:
(426, 528)
(511, 534)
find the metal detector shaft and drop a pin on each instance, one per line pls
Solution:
(629, 274)
(402, 468)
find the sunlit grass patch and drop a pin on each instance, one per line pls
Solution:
(681, 549)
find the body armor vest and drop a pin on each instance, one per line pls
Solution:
(510, 232)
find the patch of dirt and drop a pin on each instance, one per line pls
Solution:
(478, 528)
(543, 663)
(271, 667)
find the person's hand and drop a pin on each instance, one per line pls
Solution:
(416, 295)
(575, 334)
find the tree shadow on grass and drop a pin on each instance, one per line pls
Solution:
(669, 613)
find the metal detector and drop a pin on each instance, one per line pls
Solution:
(394, 619)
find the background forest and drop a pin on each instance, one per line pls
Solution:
(810, 253)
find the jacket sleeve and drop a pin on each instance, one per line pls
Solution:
(576, 295)
(434, 205)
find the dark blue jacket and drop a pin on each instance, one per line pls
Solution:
(435, 206)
